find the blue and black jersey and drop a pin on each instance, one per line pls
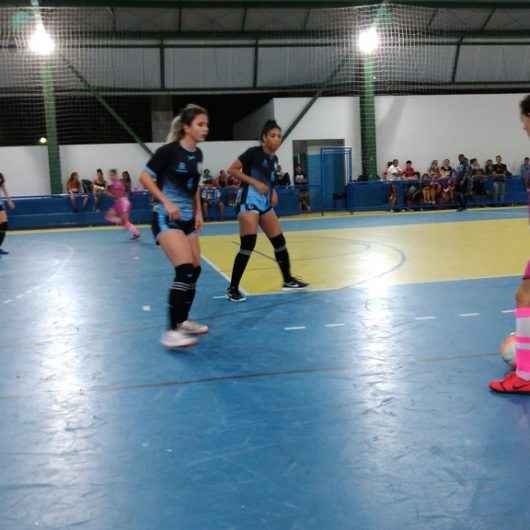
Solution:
(177, 172)
(260, 166)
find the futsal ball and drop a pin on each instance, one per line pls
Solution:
(508, 350)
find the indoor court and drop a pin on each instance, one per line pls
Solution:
(362, 403)
(383, 147)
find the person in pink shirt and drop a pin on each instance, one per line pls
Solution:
(119, 213)
(518, 381)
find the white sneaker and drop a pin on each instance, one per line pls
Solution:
(193, 328)
(177, 339)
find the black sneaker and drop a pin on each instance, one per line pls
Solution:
(294, 283)
(235, 295)
(3, 252)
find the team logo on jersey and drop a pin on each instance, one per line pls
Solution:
(191, 157)
(182, 168)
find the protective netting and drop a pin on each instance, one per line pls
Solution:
(73, 81)
(126, 55)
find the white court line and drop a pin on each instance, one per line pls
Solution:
(505, 311)
(338, 325)
(425, 318)
(7, 301)
(219, 271)
(219, 297)
(294, 328)
(466, 315)
(146, 308)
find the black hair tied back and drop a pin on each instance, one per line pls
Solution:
(268, 127)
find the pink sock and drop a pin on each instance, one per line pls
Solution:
(522, 346)
(132, 229)
(113, 219)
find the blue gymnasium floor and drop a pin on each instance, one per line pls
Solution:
(361, 408)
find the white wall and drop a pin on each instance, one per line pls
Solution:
(25, 169)
(328, 119)
(250, 126)
(420, 128)
(425, 128)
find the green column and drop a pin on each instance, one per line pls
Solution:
(367, 107)
(54, 159)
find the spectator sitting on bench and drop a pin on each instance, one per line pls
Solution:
(300, 182)
(409, 172)
(211, 196)
(232, 190)
(99, 186)
(478, 178)
(206, 176)
(126, 179)
(73, 188)
(222, 179)
(394, 172)
(488, 167)
(282, 179)
(446, 171)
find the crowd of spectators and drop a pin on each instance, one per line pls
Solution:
(216, 192)
(79, 190)
(444, 184)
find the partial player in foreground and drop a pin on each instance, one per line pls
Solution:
(3, 213)
(518, 380)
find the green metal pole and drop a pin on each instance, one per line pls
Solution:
(367, 104)
(54, 157)
(48, 92)
(368, 128)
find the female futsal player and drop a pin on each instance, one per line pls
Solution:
(255, 168)
(518, 381)
(119, 213)
(3, 214)
(177, 217)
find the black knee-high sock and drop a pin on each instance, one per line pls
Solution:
(3, 230)
(190, 296)
(178, 307)
(282, 256)
(247, 246)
